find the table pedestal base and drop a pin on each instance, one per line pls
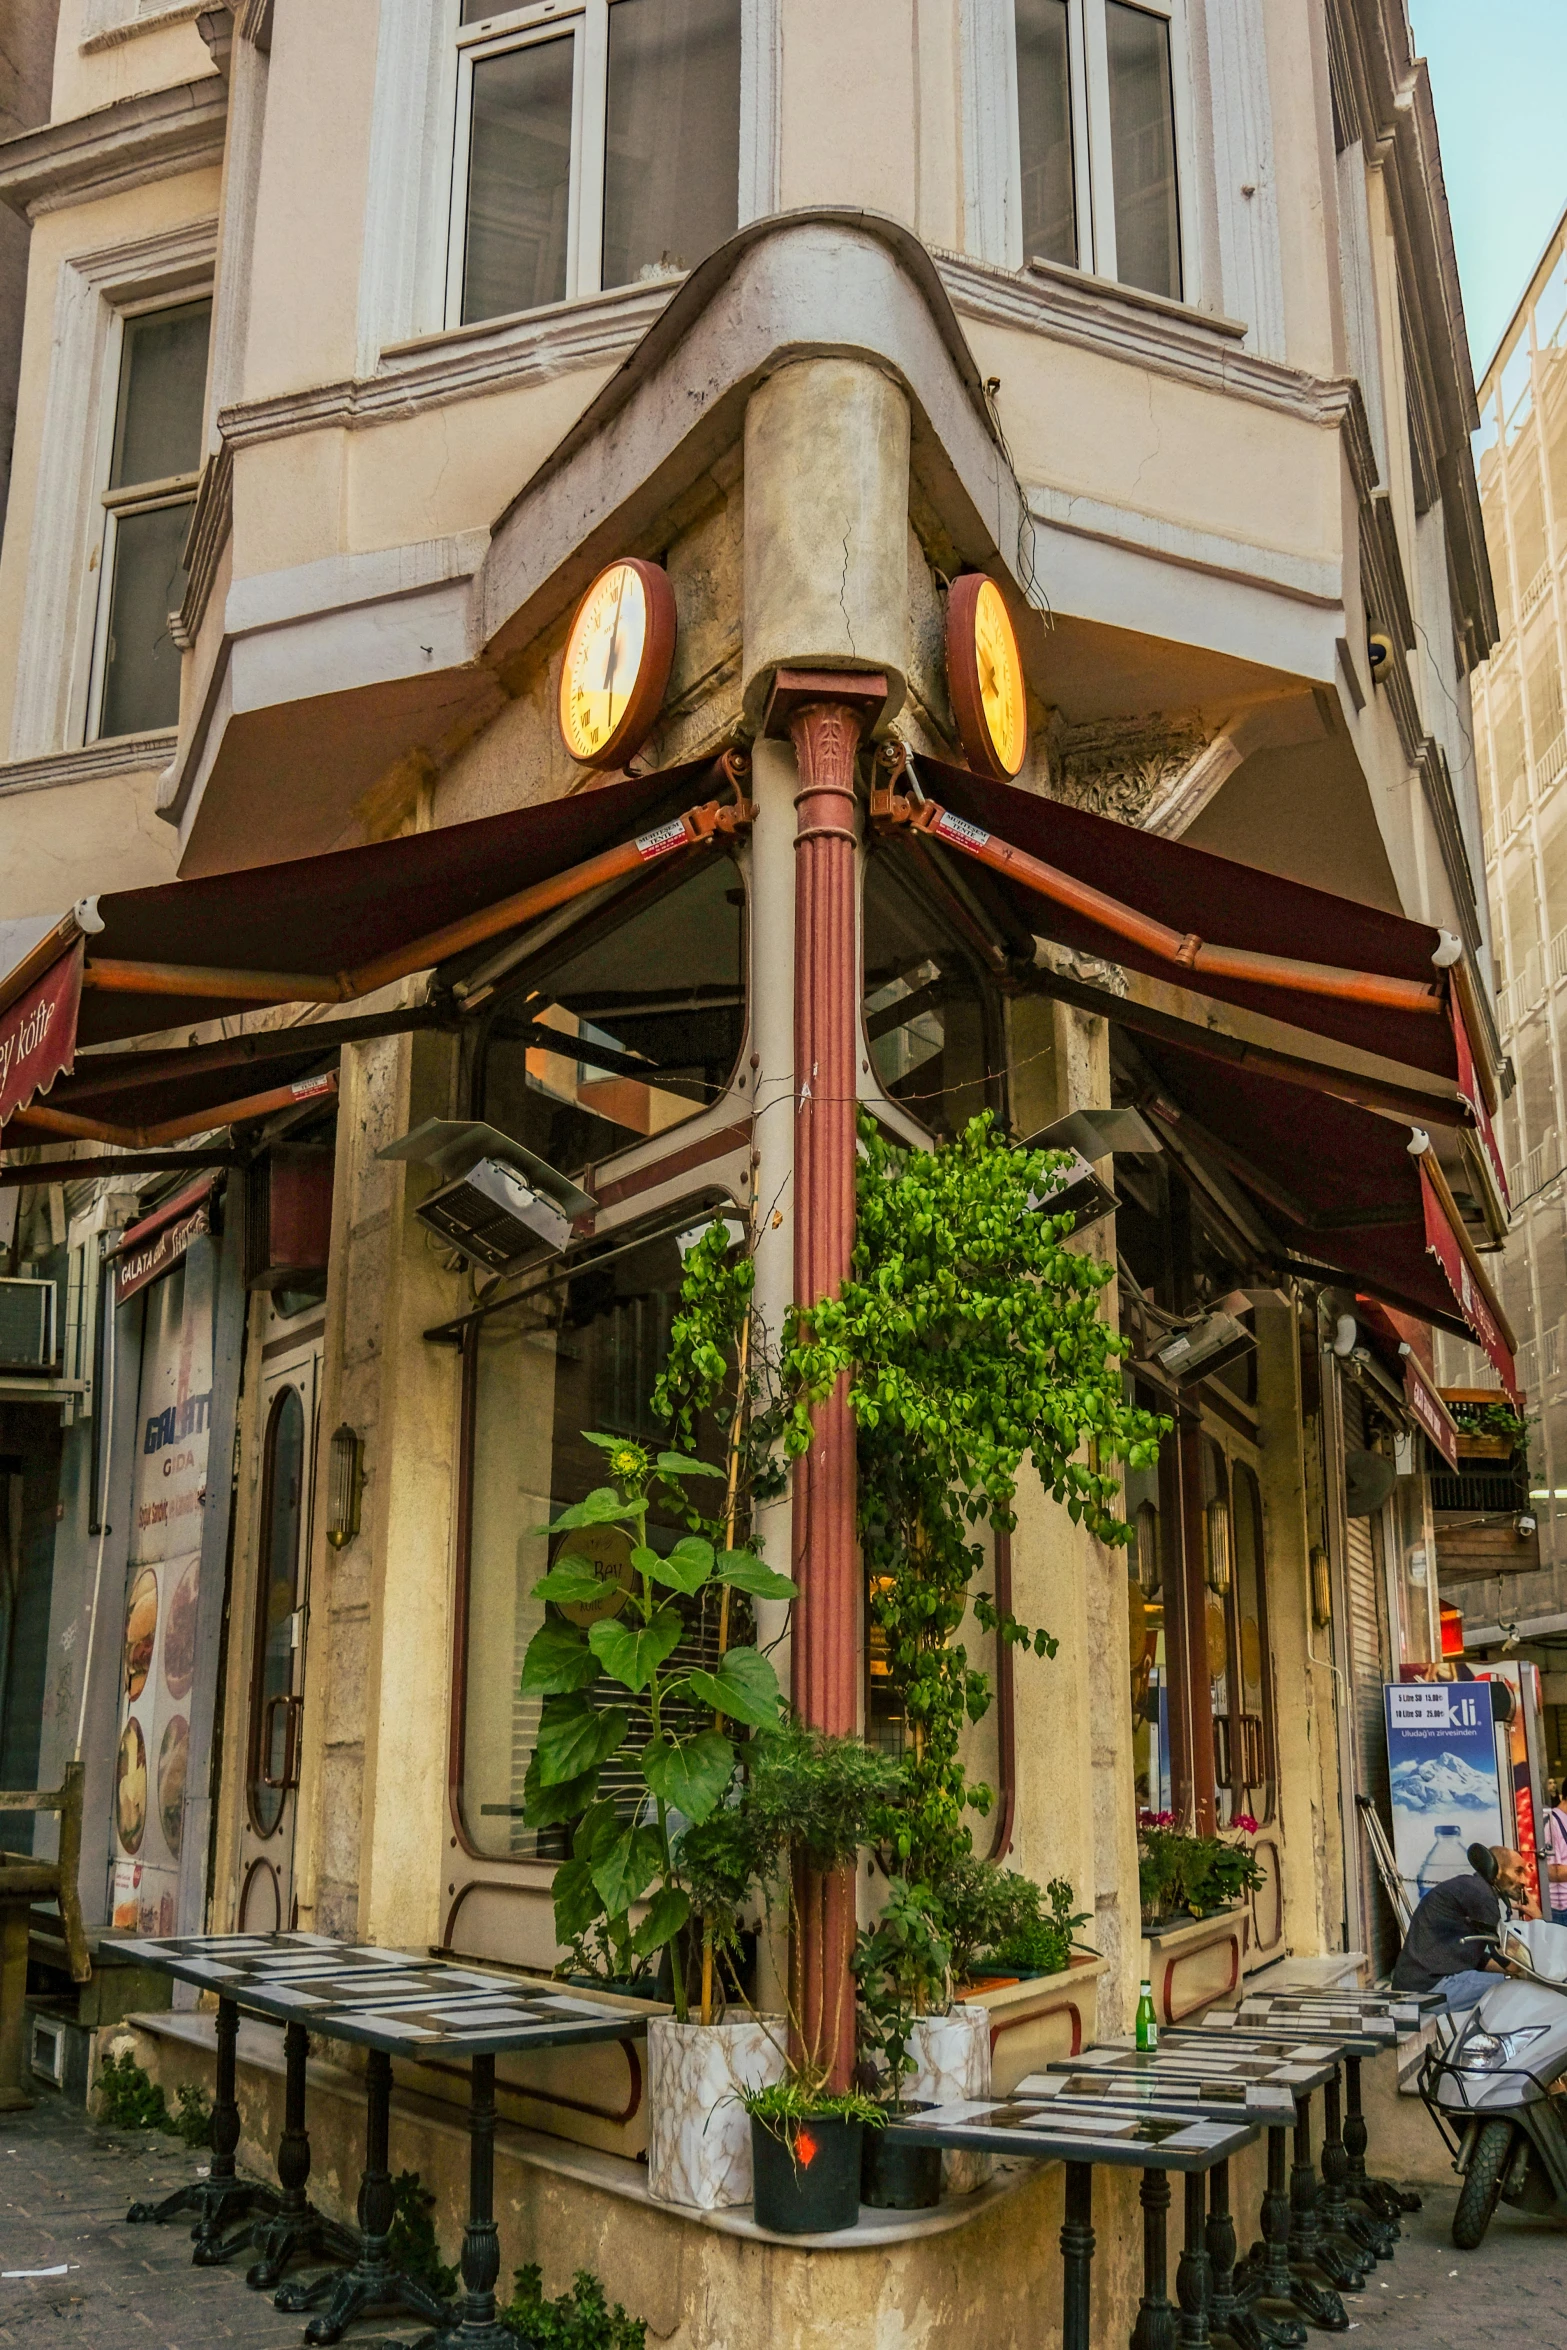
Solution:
(1371, 2238)
(1270, 2274)
(372, 2287)
(296, 2230)
(1309, 2247)
(1230, 2313)
(222, 2197)
(1379, 2195)
(477, 2327)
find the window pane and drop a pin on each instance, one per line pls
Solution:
(932, 1016)
(627, 1035)
(163, 377)
(273, 1664)
(582, 1354)
(1142, 137)
(519, 180)
(672, 146)
(1044, 112)
(141, 682)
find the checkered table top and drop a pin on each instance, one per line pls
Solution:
(1193, 2055)
(1047, 2130)
(1346, 2035)
(1218, 2097)
(384, 1999)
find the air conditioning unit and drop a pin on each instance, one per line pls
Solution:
(27, 1333)
(499, 1204)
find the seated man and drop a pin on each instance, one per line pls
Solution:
(1446, 1947)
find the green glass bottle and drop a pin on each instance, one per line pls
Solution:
(1147, 2021)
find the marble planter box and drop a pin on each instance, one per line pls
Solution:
(1196, 1964)
(952, 2061)
(699, 2133)
(1034, 2022)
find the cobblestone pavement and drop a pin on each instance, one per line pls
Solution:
(65, 2185)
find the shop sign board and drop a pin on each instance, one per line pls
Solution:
(38, 1033)
(158, 1649)
(143, 1259)
(1442, 1775)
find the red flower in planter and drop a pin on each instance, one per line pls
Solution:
(805, 2149)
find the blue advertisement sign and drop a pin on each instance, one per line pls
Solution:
(1441, 1758)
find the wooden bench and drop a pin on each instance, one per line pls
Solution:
(22, 1882)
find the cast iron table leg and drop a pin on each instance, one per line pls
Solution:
(1380, 2195)
(477, 2327)
(1272, 2277)
(1309, 2248)
(1155, 2327)
(1193, 2280)
(222, 2197)
(1228, 2311)
(1371, 2237)
(372, 2287)
(1077, 2256)
(296, 2227)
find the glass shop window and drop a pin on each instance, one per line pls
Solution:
(148, 500)
(1146, 1570)
(1098, 184)
(1237, 1637)
(596, 145)
(580, 1351)
(932, 1015)
(634, 1026)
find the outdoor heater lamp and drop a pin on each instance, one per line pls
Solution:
(497, 1203)
(1088, 1135)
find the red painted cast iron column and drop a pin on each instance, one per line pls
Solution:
(825, 715)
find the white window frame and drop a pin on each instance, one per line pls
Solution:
(994, 173)
(136, 498)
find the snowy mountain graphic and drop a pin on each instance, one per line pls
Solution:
(1443, 1782)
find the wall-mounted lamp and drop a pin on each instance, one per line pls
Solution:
(345, 1485)
(1218, 1517)
(1321, 1589)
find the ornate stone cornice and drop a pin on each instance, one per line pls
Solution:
(152, 136)
(127, 754)
(1124, 767)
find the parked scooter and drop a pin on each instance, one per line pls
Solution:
(1499, 2093)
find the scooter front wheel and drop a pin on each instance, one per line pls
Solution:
(1482, 2185)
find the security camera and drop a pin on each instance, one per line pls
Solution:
(1525, 1524)
(1379, 652)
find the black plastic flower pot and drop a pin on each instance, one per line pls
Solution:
(900, 2178)
(807, 2174)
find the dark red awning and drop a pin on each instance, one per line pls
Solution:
(1211, 898)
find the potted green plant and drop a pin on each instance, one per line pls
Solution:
(1041, 1944)
(1183, 1876)
(903, 1966)
(805, 1806)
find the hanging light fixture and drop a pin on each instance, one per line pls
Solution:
(345, 1485)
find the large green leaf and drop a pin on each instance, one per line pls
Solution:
(689, 1773)
(680, 1464)
(577, 1900)
(573, 1583)
(601, 1507)
(631, 1654)
(596, 1831)
(549, 1807)
(627, 1869)
(575, 1737)
(686, 1569)
(558, 1659)
(745, 1687)
(667, 1913)
(746, 1572)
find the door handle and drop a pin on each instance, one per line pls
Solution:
(289, 1775)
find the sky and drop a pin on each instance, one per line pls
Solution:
(1499, 78)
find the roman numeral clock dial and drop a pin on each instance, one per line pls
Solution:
(618, 659)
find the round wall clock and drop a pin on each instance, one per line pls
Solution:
(618, 658)
(985, 677)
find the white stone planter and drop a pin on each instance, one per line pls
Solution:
(953, 2062)
(699, 2134)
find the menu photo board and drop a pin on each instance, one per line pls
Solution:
(1442, 1775)
(158, 1647)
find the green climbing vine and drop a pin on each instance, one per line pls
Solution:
(973, 1340)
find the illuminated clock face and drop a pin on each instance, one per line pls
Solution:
(606, 661)
(1000, 679)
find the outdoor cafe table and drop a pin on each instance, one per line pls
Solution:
(1155, 2142)
(1216, 2097)
(1322, 2232)
(390, 2005)
(1381, 2015)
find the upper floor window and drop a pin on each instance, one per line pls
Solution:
(1098, 99)
(598, 143)
(153, 461)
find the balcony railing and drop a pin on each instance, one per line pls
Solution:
(1528, 1175)
(1530, 596)
(1549, 765)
